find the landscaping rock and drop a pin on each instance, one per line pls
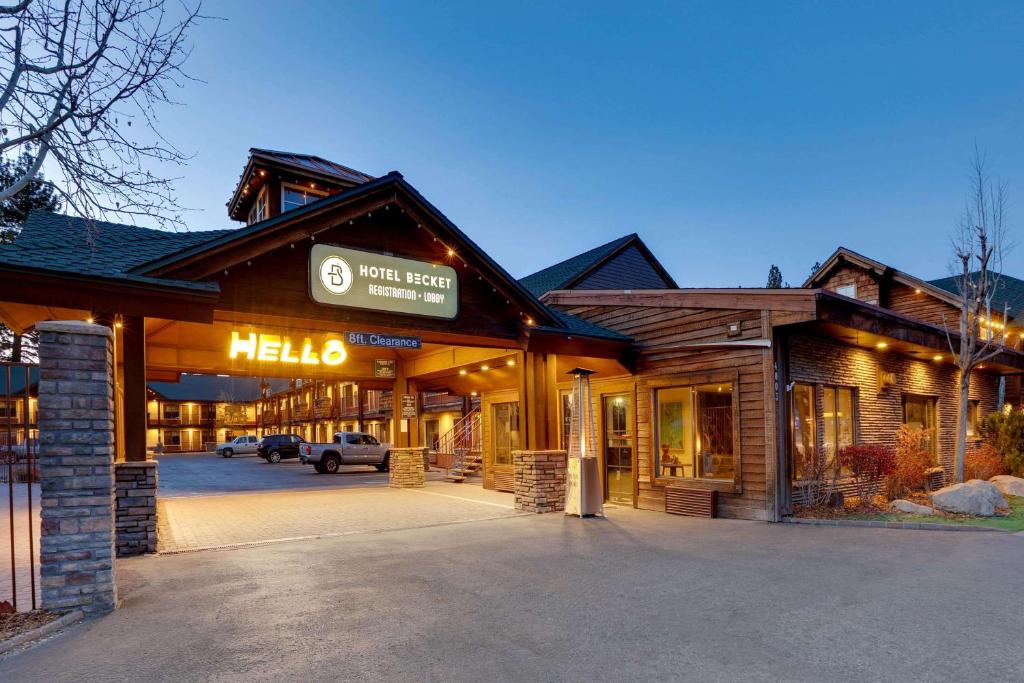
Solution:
(964, 499)
(1008, 485)
(991, 491)
(911, 507)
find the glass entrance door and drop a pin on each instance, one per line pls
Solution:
(618, 449)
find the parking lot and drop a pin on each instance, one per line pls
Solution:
(207, 501)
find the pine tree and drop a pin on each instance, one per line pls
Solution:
(774, 278)
(38, 194)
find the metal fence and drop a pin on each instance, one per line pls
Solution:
(19, 477)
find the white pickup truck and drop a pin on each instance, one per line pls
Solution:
(347, 448)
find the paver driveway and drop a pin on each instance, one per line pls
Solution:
(207, 501)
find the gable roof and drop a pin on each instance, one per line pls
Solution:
(842, 255)
(53, 241)
(1009, 292)
(191, 387)
(564, 274)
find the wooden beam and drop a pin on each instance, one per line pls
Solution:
(738, 299)
(133, 334)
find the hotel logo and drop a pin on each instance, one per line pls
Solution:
(335, 274)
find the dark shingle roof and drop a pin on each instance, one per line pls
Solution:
(54, 241)
(214, 388)
(1009, 292)
(561, 274)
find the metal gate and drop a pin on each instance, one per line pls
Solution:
(19, 478)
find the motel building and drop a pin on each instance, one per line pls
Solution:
(347, 301)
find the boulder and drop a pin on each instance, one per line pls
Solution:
(1008, 485)
(964, 499)
(991, 491)
(911, 507)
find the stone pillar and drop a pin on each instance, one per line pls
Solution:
(136, 485)
(539, 480)
(406, 465)
(76, 466)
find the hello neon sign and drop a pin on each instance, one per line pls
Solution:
(276, 348)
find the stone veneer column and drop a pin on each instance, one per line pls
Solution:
(136, 485)
(406, 465)
(76, 466)
(539, 480)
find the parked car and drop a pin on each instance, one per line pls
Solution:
(347, 448)
(240, 445)
(277, 447)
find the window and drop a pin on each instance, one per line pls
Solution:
(294, 196)
(260, 210)
(838, 418)
(849, 290)
(695, 432)
(352, 439)
(919, 413)
(172, 411)
(973, 418)
(505, 430)
(803, 431)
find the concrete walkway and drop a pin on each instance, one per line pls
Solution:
(636, 596)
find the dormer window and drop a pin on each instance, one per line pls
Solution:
(295, 196)
(260, 210)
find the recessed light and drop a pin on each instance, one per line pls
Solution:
(463, 371)
(882, 345)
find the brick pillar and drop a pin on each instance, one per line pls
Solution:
(539, 480)
(76, 466)
(136, 485)
(406, 466)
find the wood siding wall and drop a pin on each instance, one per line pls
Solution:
(657, 331)
(879, 414)
(865, 282)
(923, 306)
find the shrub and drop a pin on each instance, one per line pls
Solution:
(869, 464)
(822, 473)
(913, 459)
(1005, 433)
(984, 461)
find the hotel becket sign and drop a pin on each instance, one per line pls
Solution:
(360, 279)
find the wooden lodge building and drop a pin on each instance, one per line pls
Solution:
(350, 301)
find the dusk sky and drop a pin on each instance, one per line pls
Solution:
(730, 136)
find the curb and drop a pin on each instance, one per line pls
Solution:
(44, 630)
(877, 524)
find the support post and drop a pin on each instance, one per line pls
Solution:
(133, 335)
(76, 466)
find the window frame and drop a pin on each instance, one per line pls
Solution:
(851, 286)
(792, 425)
(735, 485)
(300, 188)
(973, 418)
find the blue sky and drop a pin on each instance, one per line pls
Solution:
(730, 136)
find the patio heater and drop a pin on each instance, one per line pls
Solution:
(583, 495)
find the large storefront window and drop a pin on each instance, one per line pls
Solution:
(505, 429)
(837, 416)
(695, 432)
(919, 413)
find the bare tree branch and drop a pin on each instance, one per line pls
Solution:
(81, 84)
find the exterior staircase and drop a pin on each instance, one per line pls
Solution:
(459, 449)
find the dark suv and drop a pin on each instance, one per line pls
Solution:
(277, 447)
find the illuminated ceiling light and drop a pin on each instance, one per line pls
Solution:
(472, 393)
(451, 252)
(917, 291)
(529, 321)
(262, 172)
(118, 324)
(510, 362)
(937, 357)
(485, 368)
(463, 371)
(882, 345)
(313, 185)
(89, 320)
